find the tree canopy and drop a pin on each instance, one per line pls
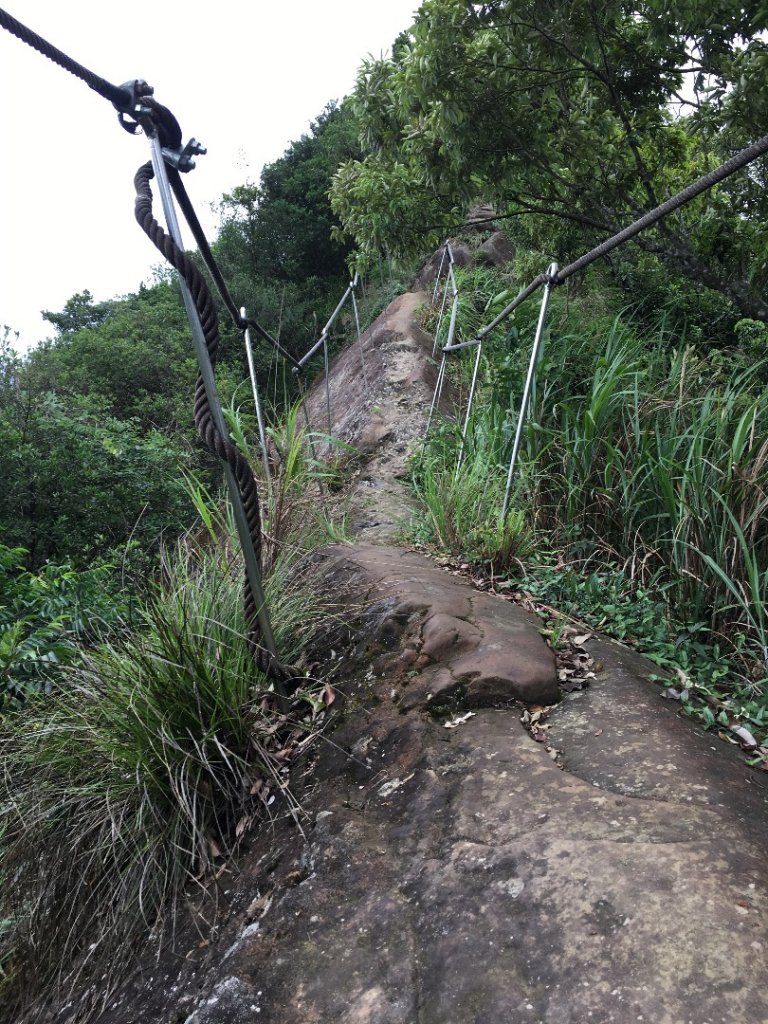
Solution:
(572, 118)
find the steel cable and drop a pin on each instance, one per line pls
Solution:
(737, 161)
(120, 96)
(126, 98)
(185, 204)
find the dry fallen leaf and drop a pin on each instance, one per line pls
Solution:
(242, 825)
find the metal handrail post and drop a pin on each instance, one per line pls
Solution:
(209, 381)
(444, 297)
(257, 403)
(439, 272)
(551, 276)
(359, 335)
(469, 410)
(435, 400)
(454, 311)
(327, 389)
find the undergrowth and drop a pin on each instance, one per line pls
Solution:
(643, 469)
(154, 754)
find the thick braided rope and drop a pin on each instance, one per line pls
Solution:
(220, 446)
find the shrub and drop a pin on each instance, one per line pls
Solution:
(44, 619)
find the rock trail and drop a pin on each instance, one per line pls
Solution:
(461, 876)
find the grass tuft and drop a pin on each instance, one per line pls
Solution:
(149, 761)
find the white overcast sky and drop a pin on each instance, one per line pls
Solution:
(243, 78)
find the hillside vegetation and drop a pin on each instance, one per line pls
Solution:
(138, 742)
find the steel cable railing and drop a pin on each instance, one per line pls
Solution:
(552, 278)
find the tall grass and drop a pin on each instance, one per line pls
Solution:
(150, 760)
(654, 462)
(639, 451)
(463, 505)
(298, 497)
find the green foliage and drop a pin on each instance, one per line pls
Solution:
(706, 672)
(147, 763)
(483, 293)
(571, 119)
(639, 459)
(295, 498)
(45, 617)
(275, 242)
(81, 482)
(463, 505)
(96, 433)
(134, 354)
(80, 313)
(285, 222)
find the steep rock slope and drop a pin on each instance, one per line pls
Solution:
(460, 875)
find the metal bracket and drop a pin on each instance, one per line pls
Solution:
(132, 115)
(181, 159)
(130, 105)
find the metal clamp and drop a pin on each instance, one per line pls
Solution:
(131, 104)
(181, 158)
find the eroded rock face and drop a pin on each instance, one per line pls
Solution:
(460, 875)
(497, 250)
(381, 392)
(451, 644)
(462, 257)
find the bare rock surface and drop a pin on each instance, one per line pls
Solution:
(449, 869)
(454, 644)
(459, 875)
(497, 250)
(462, 257)
(381, 391)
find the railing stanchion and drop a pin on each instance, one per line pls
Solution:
(468, 415)
(257, 404)
(359, 333)
(550, 277)
(444, 299)
(439, 272)
(327, 389)
(435, 402)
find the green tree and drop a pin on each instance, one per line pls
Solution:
(79, 311)
(275, 242)
(283, 225)
(136, 356)
(81, 483)
(573, 118)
